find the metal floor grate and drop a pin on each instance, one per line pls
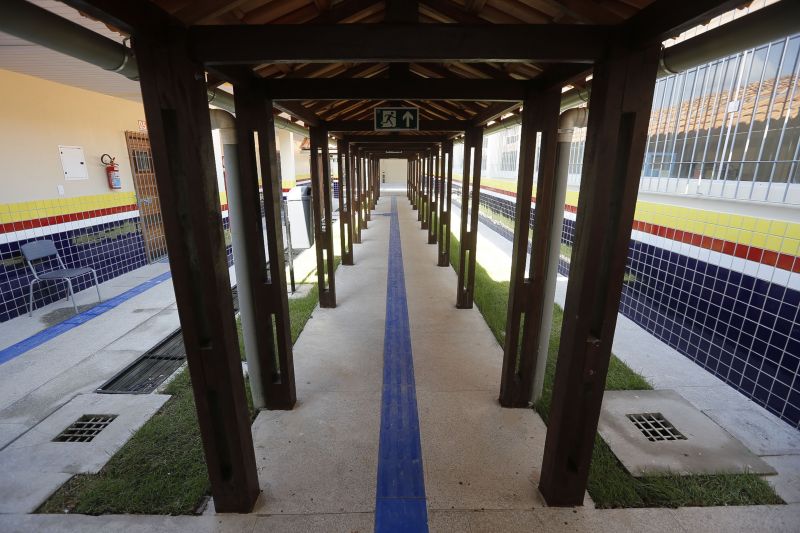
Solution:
(655, 427)
(150, 370)
(85, 429)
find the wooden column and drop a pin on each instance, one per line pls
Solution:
(470, 199)
(345, 202)
(367, 200)
(415, 183)
(356, 196)
(267, 282)
(408, 179)
(525, 294)
(176, 109)
(323, 219)
(433, 215)
(377, 181)
(622, 93)
(423, 167)
(446, 196)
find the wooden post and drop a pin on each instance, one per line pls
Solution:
(433, 215)
(345, 201)
(423, 167)
(323, 220)
(444, 217)
(357, 196)
(367, 203)
(415, 183)
(470, 200)
(622, 93)
(268, 293)
(525, 293)
(176, 109)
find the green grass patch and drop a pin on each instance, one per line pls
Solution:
(610, 485)
(161, 469)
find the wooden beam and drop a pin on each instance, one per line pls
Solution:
(268, 294)
(445, 201)
(386, 89)
(453, 12)
(622, 94)
(298, 111)
(176, 109)
(394, 139)
(323, 216)
(424, 125)
(666, 18)
(344, 10)
(345, 201)
(402, 11)
(470, 201)
(526, 290)
(360, 43)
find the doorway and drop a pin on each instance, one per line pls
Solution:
(144, 182)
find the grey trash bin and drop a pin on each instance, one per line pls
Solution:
(298, 205)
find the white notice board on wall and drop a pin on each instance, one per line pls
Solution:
(73, 163)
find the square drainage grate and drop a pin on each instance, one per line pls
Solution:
(655, 427)
(85, 429)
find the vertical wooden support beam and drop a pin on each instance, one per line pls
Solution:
(356, 196)
(423, 162)
(525, 294)
(415, 183)
(267, 274)
(622, 93)
(446, 197)
(470, 200)
(377, 181)
(367, 202)
(345, 201)
(176, 108)
(433, 215)
(323, 219)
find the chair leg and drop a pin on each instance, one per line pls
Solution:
(74, 303)
(30, 297)
(97, 286)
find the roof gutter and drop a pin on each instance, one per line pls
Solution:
(39, 26)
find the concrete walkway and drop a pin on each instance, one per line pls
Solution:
(319, 463)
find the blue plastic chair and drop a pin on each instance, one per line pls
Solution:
(44, 249)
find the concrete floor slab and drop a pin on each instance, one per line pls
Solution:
(774, 519)
(23, 491)
(35, 451)
(706, 449)
(127, 523)
(762, 434)
(787, 482)
(333, 523)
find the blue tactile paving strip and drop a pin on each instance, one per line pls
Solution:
(400, 499)
(15, 350)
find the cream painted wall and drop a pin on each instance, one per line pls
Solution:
(36, 116)
(396, 170)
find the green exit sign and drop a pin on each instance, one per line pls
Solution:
(396, 119)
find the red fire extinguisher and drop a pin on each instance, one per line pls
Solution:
(112, 172)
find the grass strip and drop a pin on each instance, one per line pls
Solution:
(161, 469)
(610, 484)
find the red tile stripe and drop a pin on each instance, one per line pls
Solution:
(9, 227)
(751, 253)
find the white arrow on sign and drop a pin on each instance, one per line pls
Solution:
(407, 118)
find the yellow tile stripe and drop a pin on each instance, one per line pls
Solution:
(776, 235)
(20, 211)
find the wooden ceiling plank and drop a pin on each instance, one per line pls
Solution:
(520, 11)
(374, 88)
(409, 43)
(202, 11)
(453, 12)
(273, 10)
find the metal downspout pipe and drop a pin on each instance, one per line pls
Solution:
(39, 26)
(570, 119)
(226, 124)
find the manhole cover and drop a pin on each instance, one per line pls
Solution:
(85, 429)
(655, 427)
